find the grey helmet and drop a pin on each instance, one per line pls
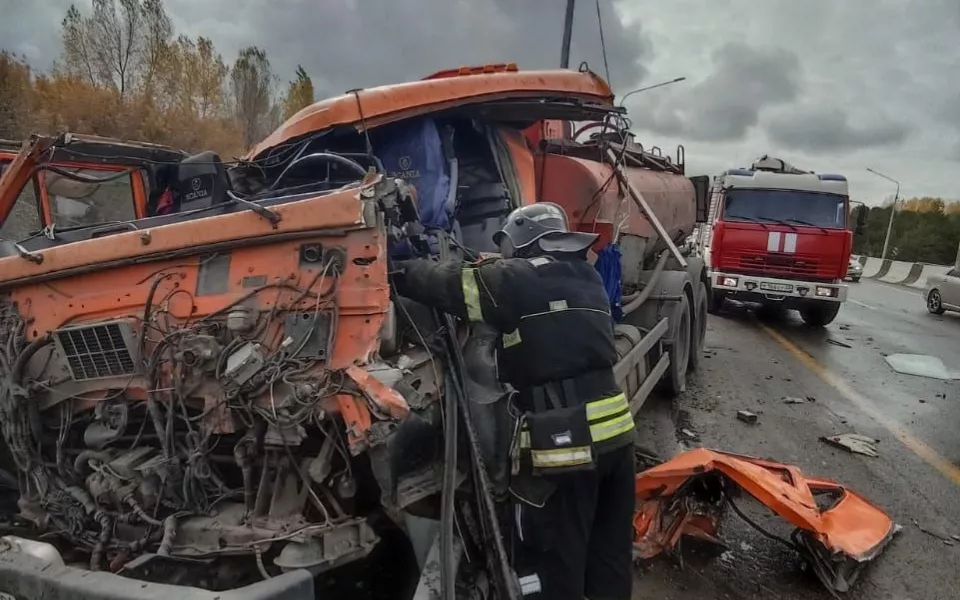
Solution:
(544, 223)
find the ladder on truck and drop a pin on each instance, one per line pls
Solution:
(706, 229)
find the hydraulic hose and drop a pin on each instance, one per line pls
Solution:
(635, 303)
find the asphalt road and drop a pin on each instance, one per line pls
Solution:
(754, 362)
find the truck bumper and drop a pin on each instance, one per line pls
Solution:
(759, 289)
(26, 577)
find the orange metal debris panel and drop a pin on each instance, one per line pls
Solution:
(379, 105)
(682, 497)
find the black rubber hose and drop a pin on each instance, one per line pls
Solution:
(448, 487)
(80, 464)
(25, 356)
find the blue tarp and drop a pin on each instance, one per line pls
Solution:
(412, 151)
(608, 265)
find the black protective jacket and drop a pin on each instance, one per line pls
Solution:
(553, 316)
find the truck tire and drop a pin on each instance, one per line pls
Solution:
(674, 381)
(699, 332)
(819, 314)
(716, 301)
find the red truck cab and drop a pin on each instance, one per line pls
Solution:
(779, 236)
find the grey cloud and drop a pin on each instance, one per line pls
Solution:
(32, 29)
(830, 129)
(345, 44)
(349, 44)
(726, 104)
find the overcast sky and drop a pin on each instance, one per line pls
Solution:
(830, 85)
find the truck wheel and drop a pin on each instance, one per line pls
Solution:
(716, 301)
(819, 314)
(699, 328)
(675, 379)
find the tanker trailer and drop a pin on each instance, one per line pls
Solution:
(644, 207)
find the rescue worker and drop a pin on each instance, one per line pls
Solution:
(572, 455)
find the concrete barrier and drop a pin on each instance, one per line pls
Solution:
(902, 273)
(897, 273)
(871, 267)
(916, 270)
(928, 271)
(884, 268)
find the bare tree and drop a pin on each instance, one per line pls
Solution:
(119, 45)
(251, 86)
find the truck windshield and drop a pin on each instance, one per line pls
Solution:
(785, 206)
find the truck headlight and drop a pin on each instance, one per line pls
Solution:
(826, 292)
(728, 281)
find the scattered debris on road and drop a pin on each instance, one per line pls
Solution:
(746, 416)
(844, 328)
(854, 442)
(837, 531)
(921, 400)
(838, 343)
(795, 400)
(921, 365)
(690, 434)
(942, 537)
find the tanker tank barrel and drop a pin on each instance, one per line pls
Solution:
(644, 207)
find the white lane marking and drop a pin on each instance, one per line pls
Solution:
(863, 304)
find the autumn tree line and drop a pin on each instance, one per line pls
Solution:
(924, 230)
(124, 72)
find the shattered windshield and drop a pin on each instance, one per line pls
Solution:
(78, 203)
(791, 207)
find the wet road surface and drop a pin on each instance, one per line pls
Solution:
(754, 362)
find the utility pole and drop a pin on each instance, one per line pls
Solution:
(567, 34)
(893, 209)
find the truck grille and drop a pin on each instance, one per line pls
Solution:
(763, 264)
(97, 351)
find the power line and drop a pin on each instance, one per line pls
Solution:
(603, 46)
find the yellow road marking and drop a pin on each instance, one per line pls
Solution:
(915, 445)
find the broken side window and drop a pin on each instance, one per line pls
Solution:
(24, 217)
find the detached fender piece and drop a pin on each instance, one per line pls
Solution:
(837, 530)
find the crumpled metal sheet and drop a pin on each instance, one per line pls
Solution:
(685, 496)
(854, 442)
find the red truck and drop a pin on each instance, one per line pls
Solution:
(779, 236)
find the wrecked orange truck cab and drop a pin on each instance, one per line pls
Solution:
(213, 389)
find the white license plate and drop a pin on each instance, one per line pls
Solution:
(776, 287)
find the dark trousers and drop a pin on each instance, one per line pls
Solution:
(580, 543)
